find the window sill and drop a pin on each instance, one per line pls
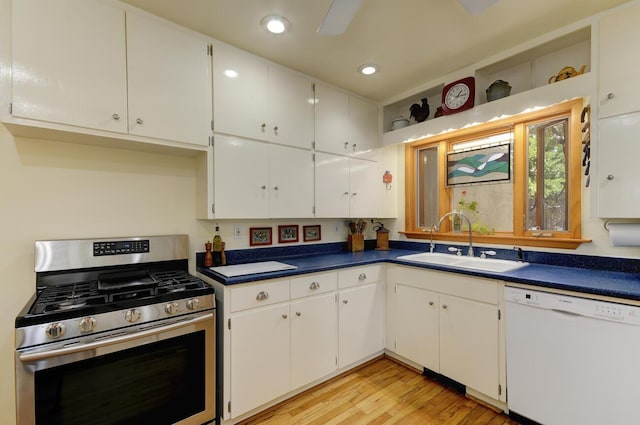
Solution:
(500, 239)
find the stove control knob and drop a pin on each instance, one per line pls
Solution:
(55, 330)
(87, 324)
(132, 315)
(192, 304)
(172, 308)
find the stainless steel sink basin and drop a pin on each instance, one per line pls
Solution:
(462, 262)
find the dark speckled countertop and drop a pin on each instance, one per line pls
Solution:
(612, 277)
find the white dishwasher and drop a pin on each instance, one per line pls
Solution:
(572, 360)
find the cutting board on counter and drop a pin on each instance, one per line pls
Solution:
(252, 268)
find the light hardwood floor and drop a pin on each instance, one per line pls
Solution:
(380, 392)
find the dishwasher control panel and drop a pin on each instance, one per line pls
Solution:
(578, 306)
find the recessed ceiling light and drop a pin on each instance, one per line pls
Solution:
(275, 24)
(368, 69)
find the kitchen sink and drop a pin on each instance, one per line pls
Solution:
(462, 262)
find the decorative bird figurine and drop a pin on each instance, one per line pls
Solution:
(420, 113)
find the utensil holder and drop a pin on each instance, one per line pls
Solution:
(355, 242)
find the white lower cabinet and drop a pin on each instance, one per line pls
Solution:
(449, 324)
(418, 326)
(259, 357)
(360, 314)
(314, 341)
(283, 334)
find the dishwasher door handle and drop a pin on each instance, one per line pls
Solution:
(568, 313)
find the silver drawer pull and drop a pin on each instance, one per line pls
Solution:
(362, 276)
(314, 285)
(262, 295)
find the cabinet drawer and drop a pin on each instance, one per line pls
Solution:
(359, 276)
(313, 284)
(259, 294)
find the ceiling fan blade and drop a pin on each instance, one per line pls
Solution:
(339, 16)
(476, 7)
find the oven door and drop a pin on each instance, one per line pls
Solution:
(162, 374)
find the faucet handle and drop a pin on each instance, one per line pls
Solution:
(458, 251)
(483, 254)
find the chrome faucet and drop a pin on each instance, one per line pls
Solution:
(470, 252)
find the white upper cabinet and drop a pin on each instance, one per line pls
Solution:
(254, 179)
(344, 124)
(618, 188)
(69, 63)
(169, 82)
(240, 93)
(258, 100)
(346, 186)
(363, 125)
(83, 64)
(619, 91)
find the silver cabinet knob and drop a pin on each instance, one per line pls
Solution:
(298, 314)
(172, 308)
(262, 296)
(276, 188)
(345, 301)
(354, 193)
(610, 96)
(346, 145)
(55, 330)
(263, 126)
(275, 130)
(132, 315)
(87, 324)
(139, 121)
(314, 285)
(346, 193)
(263, 187)
(444, 306)
(362, 277)
(284, 316)
(115, 117)
(430, 302)
(610, 177)
(192, 304)
(354, 147)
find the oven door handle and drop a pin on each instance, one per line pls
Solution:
(32, 357)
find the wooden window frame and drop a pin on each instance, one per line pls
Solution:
(570, 239)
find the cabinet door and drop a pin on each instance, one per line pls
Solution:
(169, 74)
(240, 178)
(417, 326)
(363, 125)
(259, 357)
(619, 91)
(240, 85)
(469, 343)
(331, 120)
(290, 182)
(69, 63)
(314, 339)
(332, 185)
(618, 188)
(361, 323)
(290, 110)
(364, 182)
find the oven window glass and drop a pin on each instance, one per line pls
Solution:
(158, 383)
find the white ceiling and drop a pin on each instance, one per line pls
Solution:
(413, 41)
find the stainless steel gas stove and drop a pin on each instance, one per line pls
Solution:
(118, 331)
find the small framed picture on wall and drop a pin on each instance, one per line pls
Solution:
(311, 233)
(288, 233)
(260, 236)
